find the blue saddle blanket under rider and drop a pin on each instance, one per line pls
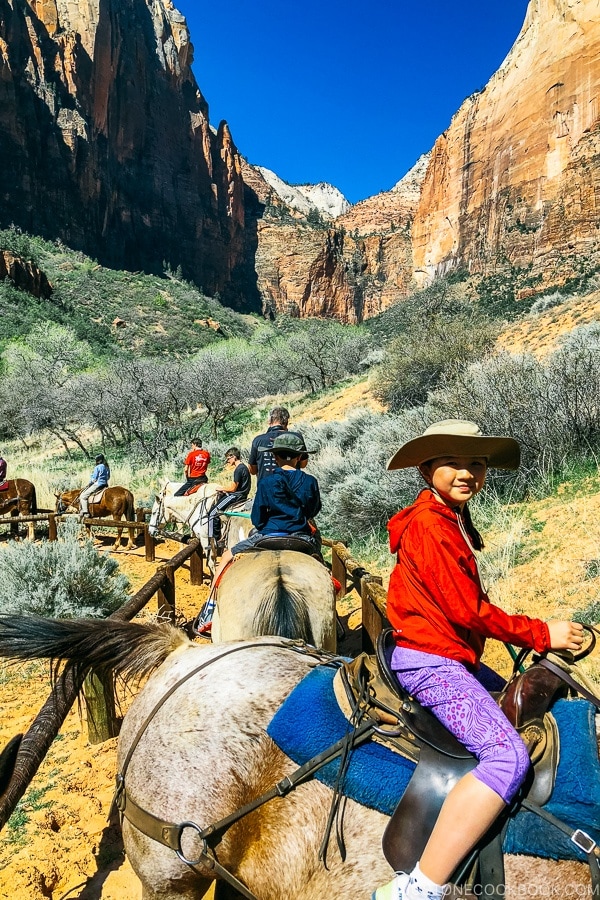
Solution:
(310, 721)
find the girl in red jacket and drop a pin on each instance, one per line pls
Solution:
(442, 617)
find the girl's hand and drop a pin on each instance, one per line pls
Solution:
(565, 635)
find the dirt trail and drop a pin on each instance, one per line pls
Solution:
(65, 848)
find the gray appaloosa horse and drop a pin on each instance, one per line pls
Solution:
(193, 749)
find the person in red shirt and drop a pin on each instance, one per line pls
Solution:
(442, 617)
(195, 466)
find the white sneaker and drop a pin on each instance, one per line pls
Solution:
(393, 890)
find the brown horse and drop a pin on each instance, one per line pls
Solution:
(19, 500)
(115, 503)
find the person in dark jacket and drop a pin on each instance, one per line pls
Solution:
(285, 502)
(236, 490)
(442, 616)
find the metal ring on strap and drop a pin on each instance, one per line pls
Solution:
(179, 851)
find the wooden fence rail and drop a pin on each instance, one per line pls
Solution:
(52, 518)
(101, 725)
(373, 596)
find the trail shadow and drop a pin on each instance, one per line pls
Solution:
(109, 858)
(351, 642)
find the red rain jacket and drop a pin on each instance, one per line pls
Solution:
(435, 599)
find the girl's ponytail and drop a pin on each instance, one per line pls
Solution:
(475, 537)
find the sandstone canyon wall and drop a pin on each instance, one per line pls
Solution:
(350, 268)
(515, 181)
(105, 141)
(511, 188)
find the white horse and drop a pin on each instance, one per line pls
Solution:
(194, 749)
(191, 511)
(276, 592)
(237, 525)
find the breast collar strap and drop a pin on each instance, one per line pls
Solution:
(170, 833)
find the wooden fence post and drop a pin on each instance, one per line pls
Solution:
(197, 565)
(102, 722)
(52, 529)
(372, 619)
(338, 570)
(150, 545)
(166, 594)
(140, 516)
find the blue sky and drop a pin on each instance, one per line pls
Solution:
(347, 92)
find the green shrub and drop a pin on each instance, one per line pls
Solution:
(437, 344)
(66, 578)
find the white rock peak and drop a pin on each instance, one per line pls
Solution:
(411, 183)
(323, 198)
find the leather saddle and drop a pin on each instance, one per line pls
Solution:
(409, 728)
(97, 496)
(284, 542)
(3, 485)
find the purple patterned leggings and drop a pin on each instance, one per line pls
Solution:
(464, 706)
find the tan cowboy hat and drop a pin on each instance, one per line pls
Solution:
(461, 438)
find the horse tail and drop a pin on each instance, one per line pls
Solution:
(283, 611)
(90, 645)
(34, 507)
(130, 508)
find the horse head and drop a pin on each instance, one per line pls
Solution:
(65, 499)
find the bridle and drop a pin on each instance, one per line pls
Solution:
(62, 506)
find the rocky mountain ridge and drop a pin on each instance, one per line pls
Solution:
(510, 193)
(321, 199)
(105, 143)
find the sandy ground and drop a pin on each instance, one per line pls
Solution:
(542, 334)
(66, 848)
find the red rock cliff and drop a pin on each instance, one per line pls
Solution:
(512, 187)
(515, 180)
(105, 140)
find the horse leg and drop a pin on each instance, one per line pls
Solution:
(14, 526)
(117, 543)
(131, 541)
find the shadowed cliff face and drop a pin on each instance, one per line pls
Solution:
(105, 140)
(105, 143)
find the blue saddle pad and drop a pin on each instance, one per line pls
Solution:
(310, 721)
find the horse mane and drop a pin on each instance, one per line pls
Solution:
(284, 612)
(101, 646)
